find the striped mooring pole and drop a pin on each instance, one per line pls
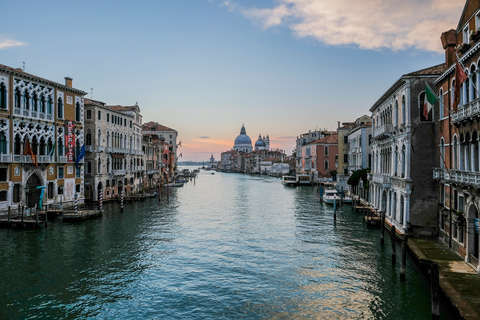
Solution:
(121, 203)
(76, 205)
(101, 200)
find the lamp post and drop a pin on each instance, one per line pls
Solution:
(27, 190)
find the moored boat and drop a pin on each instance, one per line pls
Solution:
(289, 180)
(331, 196)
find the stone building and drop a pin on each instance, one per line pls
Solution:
(114, 156)
(170, 146)
(403, 150)
(41, 134)
(359, 138)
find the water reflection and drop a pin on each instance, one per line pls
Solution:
(227, 247)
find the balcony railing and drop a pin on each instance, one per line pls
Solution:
(100, 149)
(466, 178)
(119, 172)
(467, 111)
(5, 158)
(384, 131)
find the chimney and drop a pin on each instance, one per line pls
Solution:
(68, 82)
(448, 43)
(338, 124)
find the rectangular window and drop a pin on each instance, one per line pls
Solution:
(345, 139)
(3, 174)
(99, 115)
(16, 193)
(3, 195)
(89, 114)
(131, 124)
(326, 151)
(108, 117)
(325, 165)
(50, 189)
(60, 172)
(77, 172)
(466, 34)
(345, 158)
(124, 122)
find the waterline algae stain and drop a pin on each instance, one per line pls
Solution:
(229, 246)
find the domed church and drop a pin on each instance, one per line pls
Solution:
(244, 143)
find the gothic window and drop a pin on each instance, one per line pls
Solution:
(17, 145)
(3, 96)
(60, 108)
(89, 167)
(404, 111)
(26, 101)
(77, 112)
(3, 143)
(60, 147)
(442, 152)
(455, 152)
(17, 98)
(42, 104)
(49, 105)
(99, 167)
(34, 102)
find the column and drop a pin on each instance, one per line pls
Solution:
(407, 210)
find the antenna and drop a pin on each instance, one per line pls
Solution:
(23, 62)
(91, 93)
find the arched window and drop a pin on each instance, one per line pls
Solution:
(403, 161)
(42, 104)
(441, 105)
(455, 152)
(49, 105)
(442, 153)
(402, 209)
(396, 113)
(77, 112)
(3, 143)
(404, 111)
(474, 82)
(17, 145)
(34, 102)
(466, 91)
(452, 96)
(60, 147)
(99, 138)
(89, 167)
(60, 108)
(99, 168)
(18, 98)
(26, 101)
(3, 96)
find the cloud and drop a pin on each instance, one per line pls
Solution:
(7, 43)
(204, 137)
(368, 24)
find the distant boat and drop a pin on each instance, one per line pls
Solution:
(213, 172)
(304, 180)
(331, 196)
(347, 199)
(289, 180)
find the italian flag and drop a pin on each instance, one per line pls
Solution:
(430, 99)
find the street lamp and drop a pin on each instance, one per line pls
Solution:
(27, 190)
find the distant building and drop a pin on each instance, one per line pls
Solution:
(243, 142)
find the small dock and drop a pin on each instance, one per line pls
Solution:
(80, 215)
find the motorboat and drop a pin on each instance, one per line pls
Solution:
(347, 199)
(331, 196)
(304, 180)
(289, 180)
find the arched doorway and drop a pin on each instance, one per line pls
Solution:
(88, 192)
(384, 201)
(33, 195)
(473, 236)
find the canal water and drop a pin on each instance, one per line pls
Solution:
(225, 246)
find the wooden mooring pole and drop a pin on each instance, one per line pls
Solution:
(382, 228)
(403, 266)
(434, 289)
(394, 253)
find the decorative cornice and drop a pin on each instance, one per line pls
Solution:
(474, 49)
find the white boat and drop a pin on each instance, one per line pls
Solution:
(289, 180)
(331, 196)
(347, 199)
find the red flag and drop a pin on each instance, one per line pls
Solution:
(28, 151)
(460, 77)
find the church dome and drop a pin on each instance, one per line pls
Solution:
(243, 142)
(260, 144)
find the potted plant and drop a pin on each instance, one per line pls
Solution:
(474, 35)
(461, 48)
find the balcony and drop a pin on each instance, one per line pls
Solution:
(466, 112)
(119, 172)
(384, 180)
(5, 158)
(89, 148)
(383, 132)
(464, 178)
(100, 149)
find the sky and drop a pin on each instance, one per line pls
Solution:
(205, 67)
